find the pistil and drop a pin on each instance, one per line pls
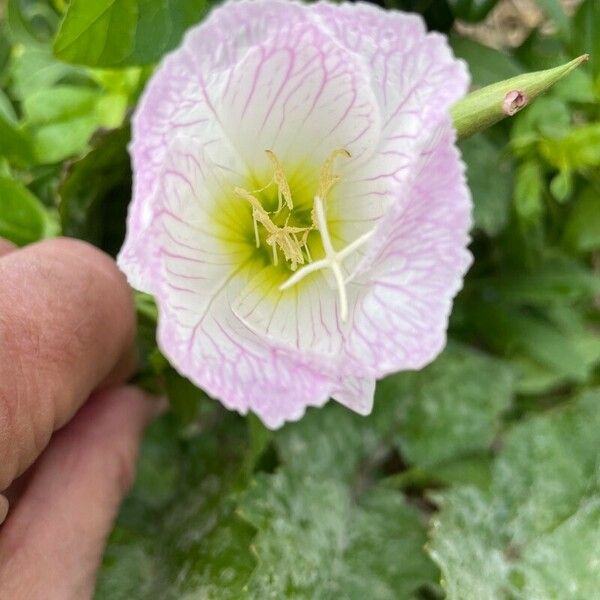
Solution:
(333, 259)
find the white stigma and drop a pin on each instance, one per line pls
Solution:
(333, 259)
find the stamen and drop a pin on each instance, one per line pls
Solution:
(328, 179)
(333, 259)
(283, 188)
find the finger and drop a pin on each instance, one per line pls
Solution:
(66, 324)
(6, 247)
(52, 541)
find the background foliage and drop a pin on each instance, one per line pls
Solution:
(478, 477)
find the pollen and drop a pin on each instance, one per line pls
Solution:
(290, 240)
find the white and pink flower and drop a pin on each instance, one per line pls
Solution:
(300, 211)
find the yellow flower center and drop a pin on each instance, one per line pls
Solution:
(273, 229)
(291, 241)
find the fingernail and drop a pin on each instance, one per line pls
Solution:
(3, 508)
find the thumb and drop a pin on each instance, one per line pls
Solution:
(52, 541)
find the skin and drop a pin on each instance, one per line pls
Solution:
(69, 427)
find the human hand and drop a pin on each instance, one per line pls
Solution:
(69, 429)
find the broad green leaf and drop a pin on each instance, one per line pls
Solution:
(177, 535)
(23, 219)
(535, 532)
(332, 442)
(314, 542)
(491, 188)
(484, 107)
(63, 118)
(109, 33)
(452, 408)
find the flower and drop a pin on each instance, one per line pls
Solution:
(300, 211)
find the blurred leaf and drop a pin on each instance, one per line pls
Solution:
(561, 186)
(555, 281)
(486, 64)
(63, 119)
(517, 333)
(184, 397)
(111, 33)
(529, 189)
(453, 407)
(7, 111)
(15, 142)
(549, 117)
(536, 532)
(472, 10)
(582, 230)
(436, 13)
(23, 219)
(579, 87)
(554, 10)
(580, 148)
(586, 33)
(95, 192)
(491, 188)
(34, 69)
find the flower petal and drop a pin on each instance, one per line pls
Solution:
(357, 394)
(415, 78)
(415, 265)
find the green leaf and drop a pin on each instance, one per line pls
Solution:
(453, 407)
(34, 69)
(178, 536)
(16, 143)
(582, 230)
(63, 119)
(535, 533)
(585, 33)
(23, 219)
(312, 542)
(487, 65)
(556, 13)
(472, 10)
(491, 188)
(482, 108)
(529, 189)
(95, 192)
(549, 117)
(561, 186)
(579, 148)
(111, 33)
(555, 281)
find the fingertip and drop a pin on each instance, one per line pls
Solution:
(6, 247)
